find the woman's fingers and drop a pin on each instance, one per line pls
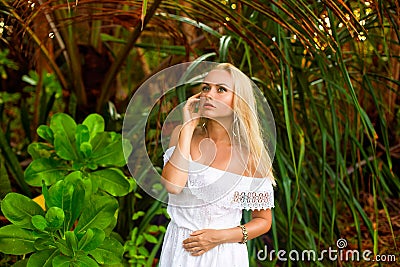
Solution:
(195, 95)
(191, 115)
(198, 252)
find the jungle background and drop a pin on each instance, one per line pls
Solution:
(329, 69)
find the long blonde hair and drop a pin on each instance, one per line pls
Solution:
(246, 125)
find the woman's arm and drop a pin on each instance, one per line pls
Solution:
(175, 171)
(202, 241)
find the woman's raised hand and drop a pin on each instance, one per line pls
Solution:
(191, 118)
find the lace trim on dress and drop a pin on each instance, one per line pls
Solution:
(224, 189)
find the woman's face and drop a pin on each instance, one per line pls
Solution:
(216, 99)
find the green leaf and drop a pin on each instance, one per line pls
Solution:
(74, 178)
(77, 202)
(85, 261)
(21, 263)
(78, 261)
(19, 210)
(64, 128)
(45, 243)
(143, 251)
(64, 248)
(58, 194)
(72, 240)
(91, 187)
(39, 222)
(137, 214)
(86, 149)
(92, 239)
(49, 170)
(150, 238)
(95, 124)
(67, 195)
(55, 217)
(46, 133)
(16, 241)
(110, 252)
(43, 258)
(62, 261)
(92, 166)
(81, 135)
(107, 149)
(39, 150)
(139, 240)
(97, 213)
(153, 229)
(112, 181)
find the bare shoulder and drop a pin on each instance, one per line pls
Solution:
(175, 136)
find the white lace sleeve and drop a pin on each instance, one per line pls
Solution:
(251, 195)
(232, 191)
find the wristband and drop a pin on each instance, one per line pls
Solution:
(245, 235)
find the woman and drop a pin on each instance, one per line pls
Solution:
(216, 165)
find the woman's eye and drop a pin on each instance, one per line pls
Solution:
(221, 89)
(205, 88)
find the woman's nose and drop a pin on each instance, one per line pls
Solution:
(210, 93)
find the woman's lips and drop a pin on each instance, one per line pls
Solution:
(208, 105)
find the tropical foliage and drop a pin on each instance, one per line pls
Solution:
(329, 69)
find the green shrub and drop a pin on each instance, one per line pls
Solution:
(84, 151)
(81, 164)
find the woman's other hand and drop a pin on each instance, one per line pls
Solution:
(202, 241)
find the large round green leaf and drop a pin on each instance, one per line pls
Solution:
(16, 241)
(112, 181)
(20, 209)
(49, 170)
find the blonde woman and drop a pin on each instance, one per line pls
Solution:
(217, 165)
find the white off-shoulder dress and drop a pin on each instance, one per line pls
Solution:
(212, 199)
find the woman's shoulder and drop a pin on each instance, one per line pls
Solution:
(175, 135)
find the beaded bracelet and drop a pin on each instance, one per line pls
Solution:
(245, 235)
